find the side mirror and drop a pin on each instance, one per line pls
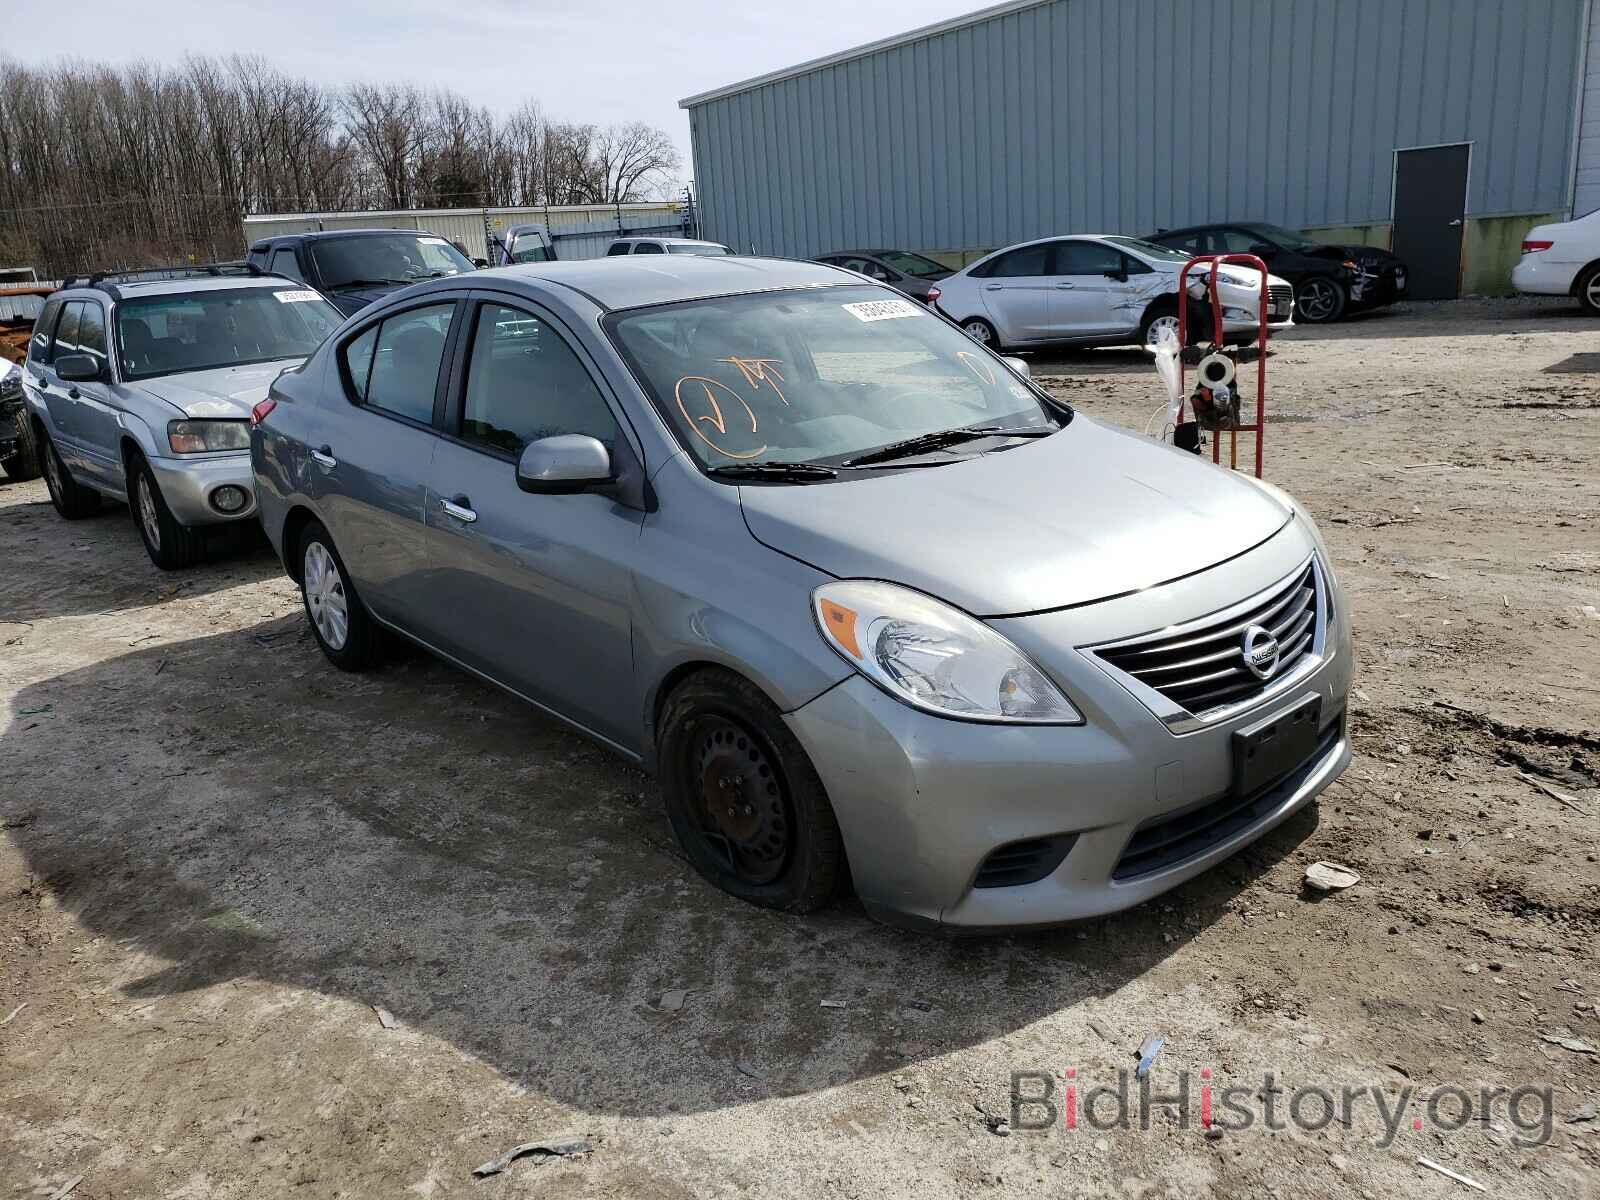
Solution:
(1019, 366)
(1119, 276)
(566, 463)
(481, 263)
(77, 368)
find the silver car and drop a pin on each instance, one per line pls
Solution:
(852, 587)
(142, 391)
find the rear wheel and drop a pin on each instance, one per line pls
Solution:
(72, 500)
(347, 635)
(23, 462)
(981, 332)
(171, 544)
(1320, 299)
(1588, 290)
(743, 798)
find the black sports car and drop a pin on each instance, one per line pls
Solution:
(1329, 281)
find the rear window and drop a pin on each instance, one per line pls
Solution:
(44, 330)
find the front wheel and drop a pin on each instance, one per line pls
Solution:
(171, 544)
(743, 798)
(981, 332)
(1319, 300)
(1161, 321)
(23, 462)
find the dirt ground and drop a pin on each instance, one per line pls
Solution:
(219, 854)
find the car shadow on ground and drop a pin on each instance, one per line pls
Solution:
(415, 839)
(57, 551)
(1470, 317)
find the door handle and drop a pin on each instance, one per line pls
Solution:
(323, 457)
(1065, 287)
(460, 509)
(1456, 222)
(993, 287)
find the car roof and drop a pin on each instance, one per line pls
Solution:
(677, 241)
(630, 282)
(170, 287)
(323, 234)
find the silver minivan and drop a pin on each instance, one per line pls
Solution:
(872, 606)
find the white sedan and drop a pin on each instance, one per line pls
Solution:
(1562, 260)
(1099, 290)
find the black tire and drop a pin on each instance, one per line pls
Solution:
(24, 463)
(171, 544)
(982, 332)
(1167, 310)
(72, 500)
(1587, 290)
(778, 845)
(359, 649)
(1319, 300)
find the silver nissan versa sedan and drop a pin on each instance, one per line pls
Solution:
(852, 587)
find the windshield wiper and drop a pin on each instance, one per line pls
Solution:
(350, 283)
(781, 472)
(945, 437)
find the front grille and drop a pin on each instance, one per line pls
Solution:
(1023, 862)
(1201, 667)
(1175, 840)
(1280, 296)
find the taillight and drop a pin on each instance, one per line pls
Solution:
(933, 294)
(1529, 246)
(259, 413)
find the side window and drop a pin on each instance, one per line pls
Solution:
(617, 248)
(1134, 266)
(358, 360)
(1232, 241)
(92, 332)
(1020, 264)
(67, 331)
(1086, 258)
(405, 361)
(648, 248)
(1188, 243)
(283, 264)
(524, 383)
(44, 333)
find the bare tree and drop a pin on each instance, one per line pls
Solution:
(632, 159)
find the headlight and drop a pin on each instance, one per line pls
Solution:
(1241, 281)
(935, 657)
(197, 437)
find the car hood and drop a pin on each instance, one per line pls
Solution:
(222, 393)
(1089, 513)
(1197, 278)
(1367, 256)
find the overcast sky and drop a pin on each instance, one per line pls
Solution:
(583, 60)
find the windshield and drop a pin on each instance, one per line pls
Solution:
(195, 331)
(704, 249)
(386, 258)
(815, 376)
(1150, 249)
(913, 264)
(1288, 239)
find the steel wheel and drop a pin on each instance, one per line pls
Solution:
(743, 814)
(149, 519)
(1319, 300)
(325, 596)
(1153, 335)
(979, 332)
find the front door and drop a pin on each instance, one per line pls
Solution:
(1430, 204)
(1017, 291)
(1092, 291)
(533, 590)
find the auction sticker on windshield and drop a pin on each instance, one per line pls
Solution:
(881, 310)
(296, 295)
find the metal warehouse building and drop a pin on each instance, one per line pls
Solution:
(1357, 120)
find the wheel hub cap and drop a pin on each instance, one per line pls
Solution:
(325, 596)
(744, 817)
(978, 333)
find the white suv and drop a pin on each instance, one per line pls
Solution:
(1562, 260)
(1100, 290)
(666, 245)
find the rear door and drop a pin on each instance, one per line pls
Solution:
(532, 590)
(1017, 290)
(37, 376)
(58, 395)
(370, 456)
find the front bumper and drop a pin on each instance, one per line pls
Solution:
(187, 485)
(923, 801)
(1539, 275)
(1377, 287)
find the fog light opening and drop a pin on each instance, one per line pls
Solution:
(230, 499)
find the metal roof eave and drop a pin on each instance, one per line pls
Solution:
(841, 56)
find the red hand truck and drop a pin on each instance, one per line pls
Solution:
(1258, 427)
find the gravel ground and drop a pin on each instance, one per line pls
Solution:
(219, 854)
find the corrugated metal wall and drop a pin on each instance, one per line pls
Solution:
(1586, 193)
(465, 225)
(1068, 116)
